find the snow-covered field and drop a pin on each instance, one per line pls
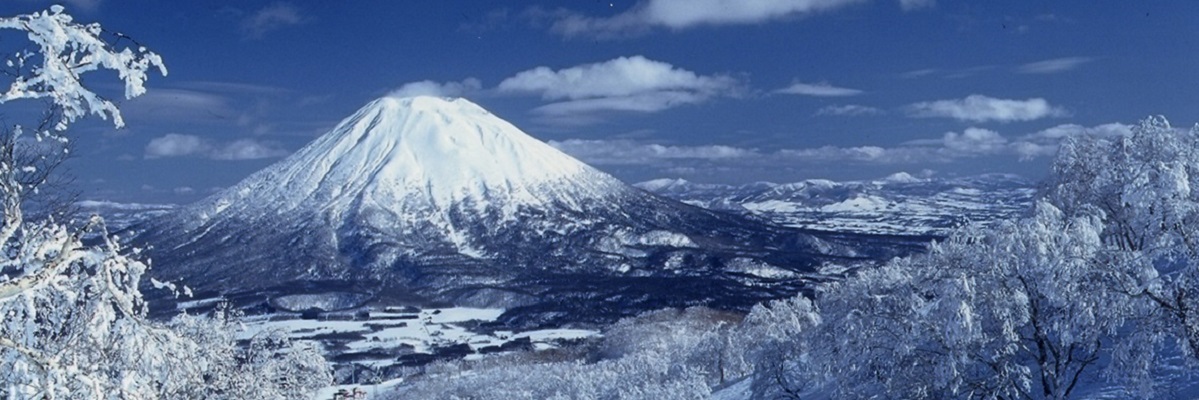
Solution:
(390, 337)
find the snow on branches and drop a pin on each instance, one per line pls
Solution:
(65, 51)
(73, 320)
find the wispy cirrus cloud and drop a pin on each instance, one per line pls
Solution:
(1053, 66)
(272, 17)
(1050, 66)
(822, 89)
(647, 15)
(622, 84)
(909, 5)
(979, 108)
(919, 73)
(848, 110)
(948, 73)
(229, 107)
(179, 105)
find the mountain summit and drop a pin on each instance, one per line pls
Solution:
(419, 161)
(424, 152)
(427, 199)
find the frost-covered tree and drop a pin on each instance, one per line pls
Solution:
(1026, 309)
(1147, 185)
(72, 315)
(74, 321)
(780, 333)
(270, 366)
(1144, 183)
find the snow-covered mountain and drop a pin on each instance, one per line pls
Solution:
(433, 200)
(899, 204)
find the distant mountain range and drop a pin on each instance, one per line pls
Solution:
(899, 204)
(431, 201)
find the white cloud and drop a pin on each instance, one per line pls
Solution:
(272, 17)
(1045, 142)
(858, 154)
(1053, 66)
(623, 152)
(909, 5)
(622, 84)
(683, 14)
(182, 145)
(176, 145)
(1064, 130)
(969, 143)
(174, 105)
(849, 110)
(628, 152)
(431, 88)
(617, 77)
(818, 89)
(644, 102)
(979, 108)
(246, 149)
(972, 142)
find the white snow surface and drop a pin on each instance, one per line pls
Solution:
(663, 184)
(423, 332)
(416, 155)
(410, 167)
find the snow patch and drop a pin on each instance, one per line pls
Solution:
(420, 331)
(901, 177)
(759, 269)
(862, 203)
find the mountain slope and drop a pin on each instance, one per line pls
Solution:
(430, 200)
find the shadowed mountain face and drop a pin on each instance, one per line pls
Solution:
(424, 199)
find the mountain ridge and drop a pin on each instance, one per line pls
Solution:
(899, 204)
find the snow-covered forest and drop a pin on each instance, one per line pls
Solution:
(1093, 292)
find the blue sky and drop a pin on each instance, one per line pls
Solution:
(707, 90)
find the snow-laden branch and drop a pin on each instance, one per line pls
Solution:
(67, 50)
(65, 249)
